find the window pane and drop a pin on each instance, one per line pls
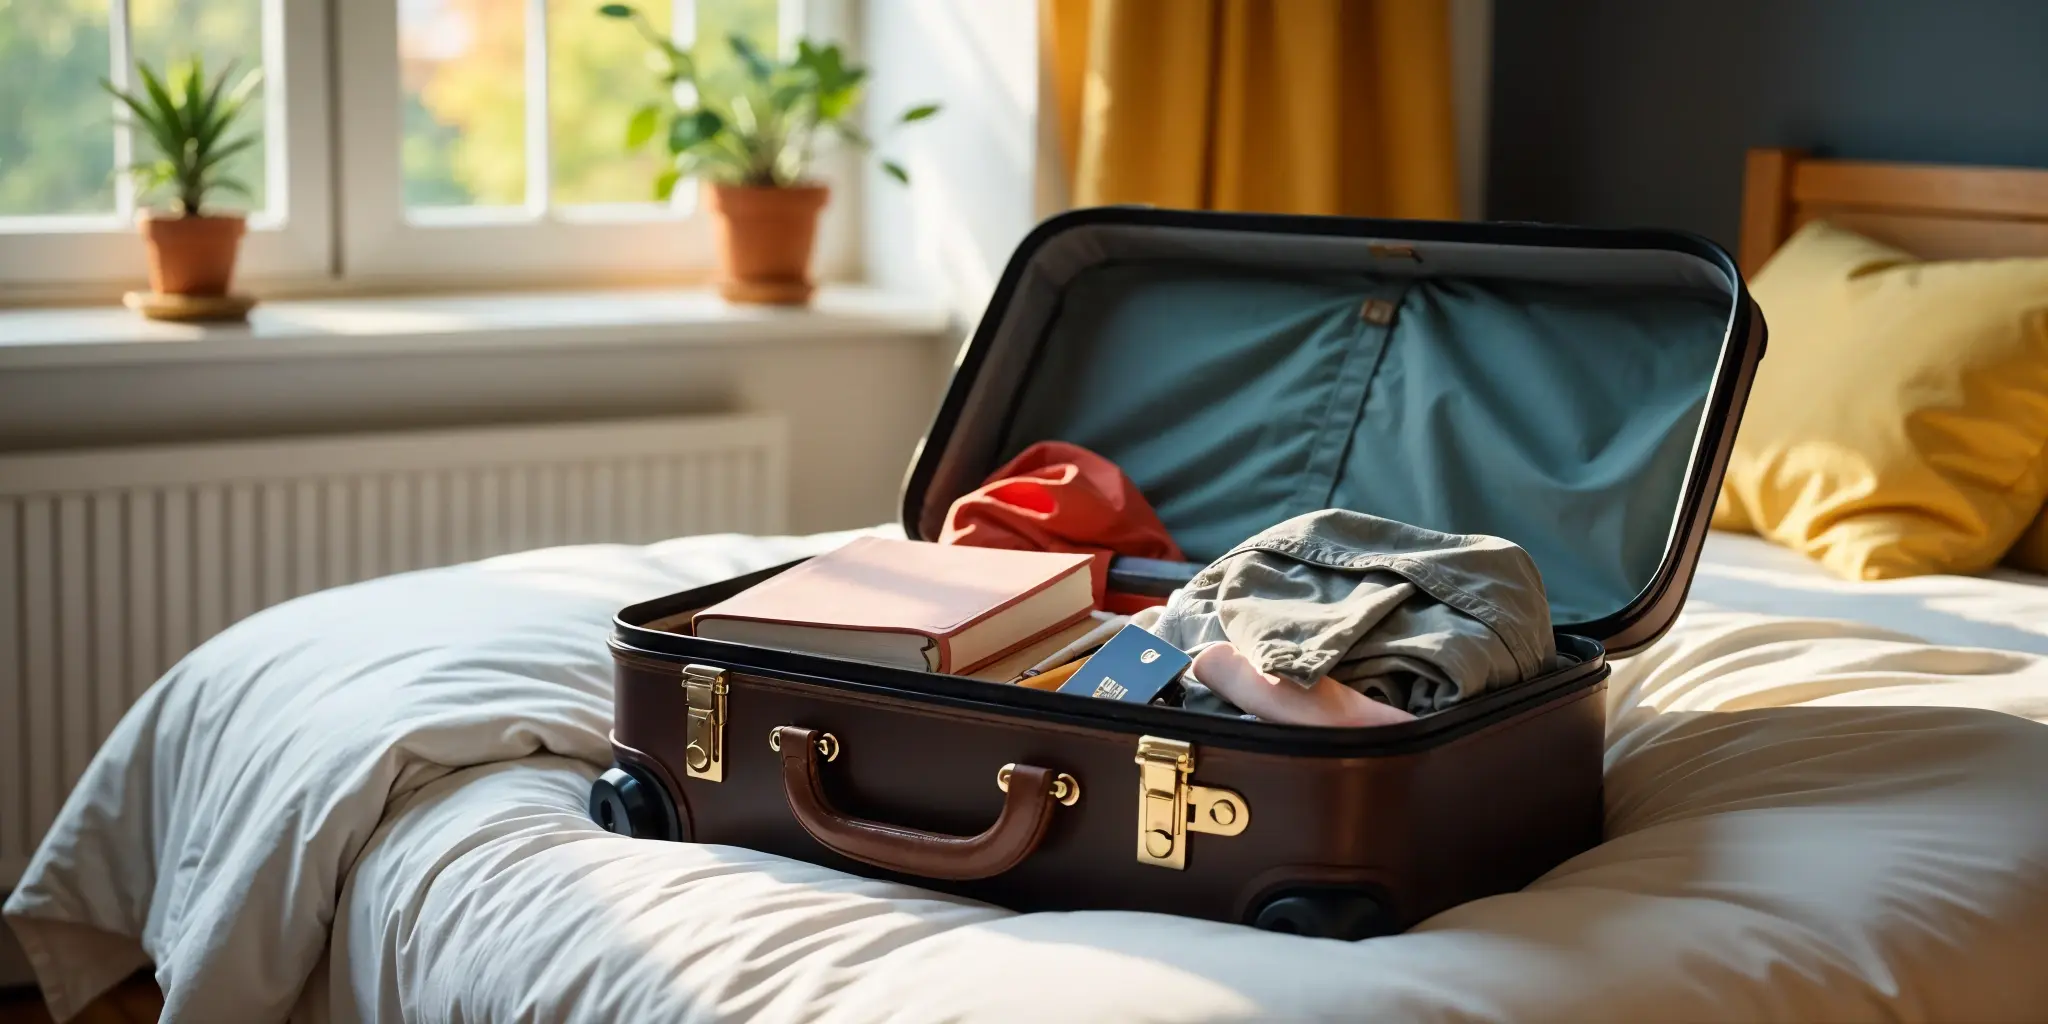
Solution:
(167, 33)
(717, 22)
(56, 126)
(598, 75)
(462, 65)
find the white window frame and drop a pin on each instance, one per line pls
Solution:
(383, 245)
(290, 241)
(335, 218)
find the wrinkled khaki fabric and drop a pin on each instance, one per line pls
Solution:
(1416, 618)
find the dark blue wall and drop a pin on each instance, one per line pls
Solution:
(1637, 112)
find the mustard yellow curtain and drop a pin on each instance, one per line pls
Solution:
(1288, 106)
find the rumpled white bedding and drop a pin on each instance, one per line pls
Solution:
(368, 804)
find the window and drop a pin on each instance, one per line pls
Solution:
(66, 215)
(401, 140)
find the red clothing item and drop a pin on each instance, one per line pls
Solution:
(1056, 496)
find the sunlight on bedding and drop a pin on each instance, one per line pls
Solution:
(1778, 845)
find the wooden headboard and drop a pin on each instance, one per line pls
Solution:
(1933, 212)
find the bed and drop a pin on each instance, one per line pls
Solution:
(1824, 802)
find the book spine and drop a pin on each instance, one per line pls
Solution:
(1021, 644)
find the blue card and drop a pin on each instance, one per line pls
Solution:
(1134, 666)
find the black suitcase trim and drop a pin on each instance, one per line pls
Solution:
(631, 640)
(1641, 622)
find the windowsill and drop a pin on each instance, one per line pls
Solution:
(558, 321)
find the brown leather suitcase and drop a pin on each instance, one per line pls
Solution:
(1574, 390)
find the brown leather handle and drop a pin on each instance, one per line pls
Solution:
(1027, 810)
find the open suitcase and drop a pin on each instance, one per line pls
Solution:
(1573, 390)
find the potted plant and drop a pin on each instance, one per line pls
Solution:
(752, 143)
(191, 243)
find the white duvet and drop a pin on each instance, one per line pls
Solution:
(368, 804)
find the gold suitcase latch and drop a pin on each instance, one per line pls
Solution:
(1170, 806)
(705, 688)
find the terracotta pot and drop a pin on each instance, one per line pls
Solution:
(764, 238)
(191, 255)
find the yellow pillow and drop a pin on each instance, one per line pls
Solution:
(1898, 422)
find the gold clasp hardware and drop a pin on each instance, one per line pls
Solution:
(705, 688)
(1170, 805)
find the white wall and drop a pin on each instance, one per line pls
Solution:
(1471, 87)
(971, 169)
(856, 406)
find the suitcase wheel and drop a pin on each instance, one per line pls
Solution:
(1326, 914)
(627, 801)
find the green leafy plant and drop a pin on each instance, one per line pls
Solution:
(760, 132)
(188, 117)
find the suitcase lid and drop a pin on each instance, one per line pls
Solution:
(1574, 390)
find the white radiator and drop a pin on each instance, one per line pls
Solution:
(115, 563)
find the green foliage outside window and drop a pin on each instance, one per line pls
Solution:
(760, 129)
(57, 125)
(462, 118)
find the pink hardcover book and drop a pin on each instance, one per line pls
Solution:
(909, 604)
